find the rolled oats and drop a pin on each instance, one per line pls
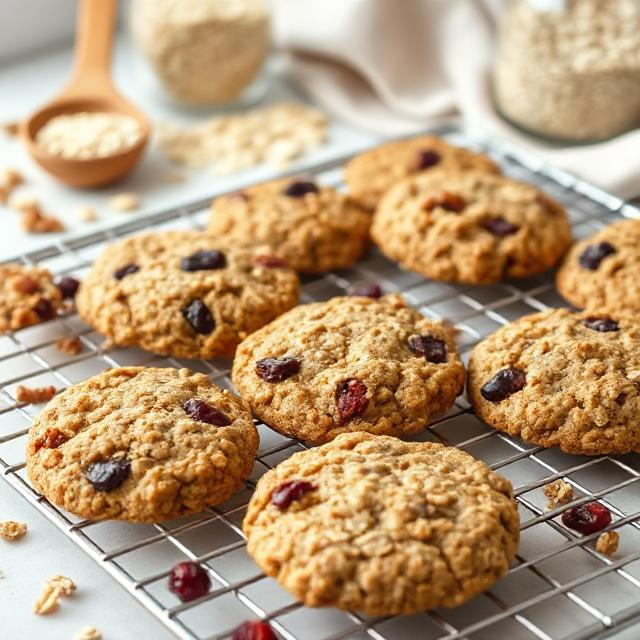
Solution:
(88, 633)
(86, 213)
(124, 202)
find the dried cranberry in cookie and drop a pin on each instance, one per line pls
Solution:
(594, 254)
(429, 347)
(203, 412)
(351, 399)
(300, 188)
(126, 270)
(277, 369)
(499, 227)
(602, 324)
(107, 475)
(197, 314)
(504, 384)
(426, 159)
(203, 261)
(68, 286)
(368, 290)
(290, 491)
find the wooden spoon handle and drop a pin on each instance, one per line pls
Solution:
(94, 41)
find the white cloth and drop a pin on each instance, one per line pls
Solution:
(395, 66)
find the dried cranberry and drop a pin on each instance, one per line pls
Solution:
(426, 159)
(429, 347)
(44, 309)
(594, 254)
(51, 439)
(203, 260)
(366, 290)
(127, 270)
(188, 580)
(289, 492)
(587, 518)
(499, 227)
(445, 200)
(300, 188)
(351, 398)
(107, 475)
(254, 630)
(277, 369)
(199, 317)
(503, 384)
(68, 286)
(202, 412)
(601, 324)
(270, 262)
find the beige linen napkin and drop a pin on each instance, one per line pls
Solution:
(396, 66)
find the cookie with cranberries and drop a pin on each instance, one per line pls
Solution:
(470, 227)
(352, 363)
(141, 444)
(382, 526)
(603, 271)
(312, 227)
(182, 293)
(562, 379)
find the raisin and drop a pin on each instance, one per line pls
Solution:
(601, 324)
(107, 475)
(426, 159)
(587, 518)
(499, 227)
(126, 270)
(270, 262)
(351, 399)
(203, 261)
(289, 492)
(254, 630)
(44, 309)
(505, 383)
(429, 347)
(68, 286)
(277, 369)
(300, 188)
(188, 580)
(594, 254)
(366, 290)
(199, 317)
(202, 412)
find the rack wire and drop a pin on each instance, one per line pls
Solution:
(559, 587)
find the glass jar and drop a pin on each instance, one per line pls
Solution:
(569, 69)
(204, 52)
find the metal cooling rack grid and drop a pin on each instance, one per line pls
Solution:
(560, 587)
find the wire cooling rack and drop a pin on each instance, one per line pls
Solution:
(559, 586)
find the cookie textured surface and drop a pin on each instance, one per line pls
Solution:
(384, 526)
(138, 444)
(180, 293)
(603, 271)
(349, 364)
(470, 227)
(573, 381)
(314, 228)
(28, 296)
(371, 173)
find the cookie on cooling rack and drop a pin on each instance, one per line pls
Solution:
(562, 379)
(141, 444)
(313, 228)
(183, 294)
(28, 296)
(371, 173)
(470, 227)
(603, 271)
(349, 364)
(375, 524)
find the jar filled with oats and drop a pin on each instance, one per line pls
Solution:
(569, 69)
(204, 52)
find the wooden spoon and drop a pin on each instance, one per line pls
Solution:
(89, 89)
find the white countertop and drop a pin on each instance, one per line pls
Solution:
(99, 600)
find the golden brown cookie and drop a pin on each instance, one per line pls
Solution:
(28, 296)
(181, 293)
(470, 227)
(562, 379)
(141, 444)
(375, 524)
(313, 228)
(349, 364)
(371, 173)
(603, 271)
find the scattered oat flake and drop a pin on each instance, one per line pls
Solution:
(558, 492)
(34, 395)
(88, 633)
(70, 346)
(86, 213)
(124, 202)
(11, 530)
(607, 542)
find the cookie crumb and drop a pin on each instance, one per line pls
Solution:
(86, 213)
(88, 633)
(11, 530)
(124, 202)
(70, 346)
(10, 128)
(54, 589)
(35, 221)
(607, 542)
(558, 492)
(34, 395)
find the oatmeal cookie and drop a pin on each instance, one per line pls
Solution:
(349, 364)
(603, 271)
(375, 524)
(470, 227)
(141, 444)
(313, 228)
(28, 296)
(371, 173)
(180, 293)
(562, 379)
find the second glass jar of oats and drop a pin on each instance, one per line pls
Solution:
(569, 69)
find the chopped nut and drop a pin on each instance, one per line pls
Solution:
(86, 213)
(25, 202)
(633, 375)
(48, 601)
(558, 492)
(34, 221)
(124, 202)
(10, 128)
(70, 346)
(88, 633)
(11, 178)
(11, 530)
(607, 542)
(65, 585)
(34, 395)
